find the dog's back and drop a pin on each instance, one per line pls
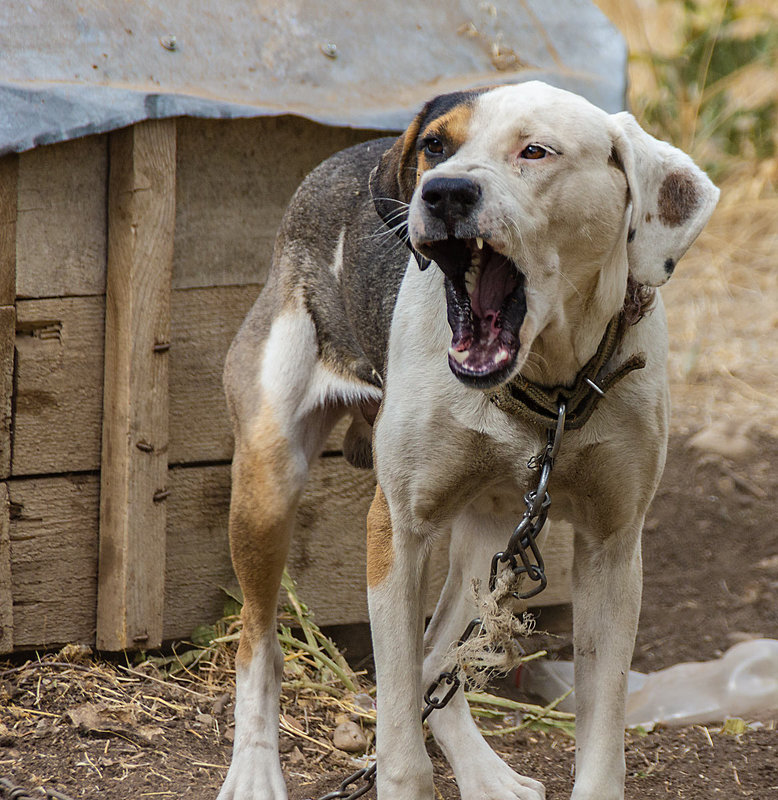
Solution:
(333, 246)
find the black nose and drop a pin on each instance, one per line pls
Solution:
(450, 198)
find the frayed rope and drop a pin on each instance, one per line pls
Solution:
(493, 649)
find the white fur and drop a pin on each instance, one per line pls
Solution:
(255, 771)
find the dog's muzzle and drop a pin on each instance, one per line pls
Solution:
(484, 288)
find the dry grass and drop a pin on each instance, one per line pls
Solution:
(722, 303)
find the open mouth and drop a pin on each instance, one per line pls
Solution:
(486, 306)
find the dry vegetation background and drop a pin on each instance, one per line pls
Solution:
(704, 75)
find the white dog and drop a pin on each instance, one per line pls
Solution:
(548, 222)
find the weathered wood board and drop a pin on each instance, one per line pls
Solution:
(59, 385)
(54, 546)
(141, 217)
(7, 335)
(61, 226)
(9, 172)
(6, 586)
(53, 533)
(203, 324)
(9, 167)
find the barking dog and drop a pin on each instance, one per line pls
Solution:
(532, 215)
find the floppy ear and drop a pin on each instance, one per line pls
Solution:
(672, 199)
(393, 180)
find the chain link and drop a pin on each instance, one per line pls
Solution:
(10, 791)
(523, 543)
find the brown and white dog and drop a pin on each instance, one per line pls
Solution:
(537, 209)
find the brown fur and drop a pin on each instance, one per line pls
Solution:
(452, 129)
(259, 543)
(678, 199)
(380, 550)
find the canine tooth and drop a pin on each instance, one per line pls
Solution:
(503, 355)
(460, 356)
(479, 242)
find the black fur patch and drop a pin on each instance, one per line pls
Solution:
(669, 266)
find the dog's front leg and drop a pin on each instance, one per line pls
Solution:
(480, 773)
(607, 576)
(396, 558)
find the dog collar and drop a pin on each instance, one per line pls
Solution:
(540, 404)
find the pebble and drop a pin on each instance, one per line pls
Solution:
(349, 737)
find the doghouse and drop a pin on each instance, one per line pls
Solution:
(148, 153)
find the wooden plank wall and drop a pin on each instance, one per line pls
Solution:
(233, 180)
(229, 198)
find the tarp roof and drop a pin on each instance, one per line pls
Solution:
(71, 69)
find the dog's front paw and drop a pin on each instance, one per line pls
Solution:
(493, 782)
(253, 779)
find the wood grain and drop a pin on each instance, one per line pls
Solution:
(203, 324)
(7, 336)
(141, 217)
(53, 534)
(6, 588)
(9, 174)
(61, 228)
(59, 385)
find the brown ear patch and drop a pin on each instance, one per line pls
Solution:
(678, 199)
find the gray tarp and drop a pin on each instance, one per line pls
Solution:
(70, 69)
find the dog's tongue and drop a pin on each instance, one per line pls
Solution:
(485, 321)
(496, 281)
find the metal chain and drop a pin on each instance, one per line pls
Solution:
(10, 791)
(523, 543)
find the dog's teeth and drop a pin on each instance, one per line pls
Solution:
(503, 355)
(460, 356)
(471, 279)
(479, 242)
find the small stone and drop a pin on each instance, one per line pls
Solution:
(364, 701)
(349, 737)
(8, 738)
(75, 653)
(220, 704)
(296, 756)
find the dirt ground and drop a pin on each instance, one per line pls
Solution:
(711, 574)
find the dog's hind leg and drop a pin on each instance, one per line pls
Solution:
(283, 412)
(480, 773)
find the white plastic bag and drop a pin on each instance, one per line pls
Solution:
(742, 683)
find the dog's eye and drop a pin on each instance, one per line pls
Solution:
(534, 151)
(433, 146)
